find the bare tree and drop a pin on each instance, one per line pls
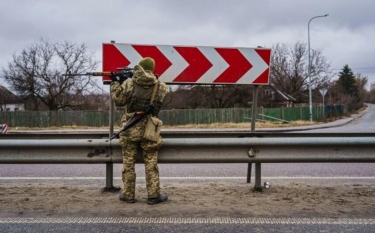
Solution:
(36, 73)
(289, 69)
(371, 97)
(210, 96)
(216, 96)
(361, 82)
(184, 96)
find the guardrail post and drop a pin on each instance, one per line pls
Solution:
(249, 165)
(109, 176)
(258, 177)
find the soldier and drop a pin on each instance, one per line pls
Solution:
(136, 93)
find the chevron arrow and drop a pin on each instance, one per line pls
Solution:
(198, 64)
(238, 65)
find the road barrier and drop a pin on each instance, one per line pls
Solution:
(3, 128)
(194, 150)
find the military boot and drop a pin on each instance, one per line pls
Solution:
(124, 199)
(161, 198)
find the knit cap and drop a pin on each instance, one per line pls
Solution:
(147, 63)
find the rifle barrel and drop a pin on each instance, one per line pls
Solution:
(107, 73)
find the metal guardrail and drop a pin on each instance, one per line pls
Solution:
(195, 150)
(103, 134)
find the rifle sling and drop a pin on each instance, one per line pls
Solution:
(154, 92)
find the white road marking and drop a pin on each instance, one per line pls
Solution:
(296, 221)
(204, 178)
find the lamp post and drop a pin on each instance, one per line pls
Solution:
(309, 66)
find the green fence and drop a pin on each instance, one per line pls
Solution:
(42, 119)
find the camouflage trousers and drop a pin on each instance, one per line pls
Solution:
(150, 156)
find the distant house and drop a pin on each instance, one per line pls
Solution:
(274, 98)
(9, 101)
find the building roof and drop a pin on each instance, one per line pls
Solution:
(7, 97)
(282, 94)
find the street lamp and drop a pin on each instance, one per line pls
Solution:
(309, 66)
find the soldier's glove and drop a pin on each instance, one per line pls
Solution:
(117, 77)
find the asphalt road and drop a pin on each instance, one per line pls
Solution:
(361, 123)
(274, 173)
(267, 226)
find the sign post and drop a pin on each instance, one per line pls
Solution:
(323, 92)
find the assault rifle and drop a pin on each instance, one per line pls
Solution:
(119, 76)
(138, 116)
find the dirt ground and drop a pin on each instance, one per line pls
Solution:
(195, 200)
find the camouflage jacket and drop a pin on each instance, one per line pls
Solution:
(135, 93)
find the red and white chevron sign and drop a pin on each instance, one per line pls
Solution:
(193, 65)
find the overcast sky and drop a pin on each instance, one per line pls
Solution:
(346, 36)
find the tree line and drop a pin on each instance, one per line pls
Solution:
(36, 75)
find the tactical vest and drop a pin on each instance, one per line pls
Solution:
(141, 96)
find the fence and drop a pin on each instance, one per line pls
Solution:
(42, 119)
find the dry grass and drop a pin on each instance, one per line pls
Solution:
(190, 126)
(243, 125)
(204, 126)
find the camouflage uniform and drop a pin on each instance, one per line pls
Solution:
(136, 93)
